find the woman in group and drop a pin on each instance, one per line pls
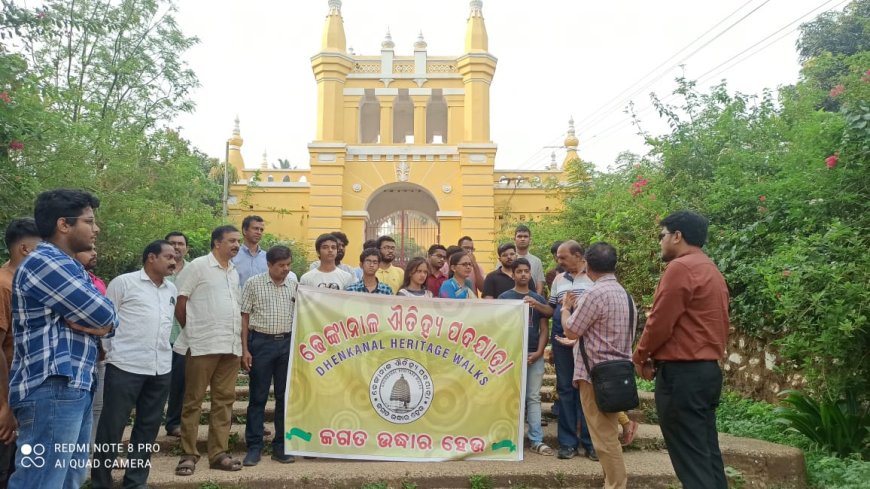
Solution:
(414, 284)
(459, 286)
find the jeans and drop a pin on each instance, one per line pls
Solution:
(176, 393)
(146, 393)
(687, 394)
(52, 414)
(270, 358)
(569, 400)
(534, 381)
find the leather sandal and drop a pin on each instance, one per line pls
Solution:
(225, 462)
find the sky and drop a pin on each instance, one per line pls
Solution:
(557, 59)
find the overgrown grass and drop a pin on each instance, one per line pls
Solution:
(755, 419)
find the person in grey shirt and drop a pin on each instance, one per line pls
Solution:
(523, 238)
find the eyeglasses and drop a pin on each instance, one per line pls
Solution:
(662, 235)
(90, 221)
(372, 262)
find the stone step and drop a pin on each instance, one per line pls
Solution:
(761, 464)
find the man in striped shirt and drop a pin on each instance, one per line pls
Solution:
(57, 315)
(267, 317)
(601, 320)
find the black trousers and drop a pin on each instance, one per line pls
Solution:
(123, 392)
(270, 356)
(687, 394)
(176, 393)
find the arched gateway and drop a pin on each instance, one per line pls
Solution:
(407, 212)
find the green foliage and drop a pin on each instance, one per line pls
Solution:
(88, 109)
(839, 426)
(481, 481)
(375, 485)
(754, 419)
(300, 254)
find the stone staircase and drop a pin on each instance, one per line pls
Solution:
(754, 463)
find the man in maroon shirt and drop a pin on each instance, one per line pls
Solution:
(684, 338)
(436, 260)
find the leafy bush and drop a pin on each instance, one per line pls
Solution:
(839, 426)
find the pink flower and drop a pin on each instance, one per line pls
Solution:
(16, 145)
(866, 77)
(5, 97)
(786, 273)
(831, 161)
(762, 198)
(837, 91)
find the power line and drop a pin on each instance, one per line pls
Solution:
(598, 137)
(618, 99)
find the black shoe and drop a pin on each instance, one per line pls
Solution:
(591, 454)
(252, 458)
(566, 453)
(284, 459)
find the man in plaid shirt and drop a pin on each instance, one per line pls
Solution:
(57, 315)
(601, 318)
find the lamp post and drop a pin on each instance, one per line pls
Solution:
(226, 177)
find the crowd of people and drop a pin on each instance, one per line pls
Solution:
(78, 356)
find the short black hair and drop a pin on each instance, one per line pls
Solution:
(555, 246)
(369, 252)
(464, 238)
(452, 250)
(246, 222)
(155, 248)
(691, 225)
(506, 246)
(341, 237)
(52, 205)
(278, 253)
(436, 247)
(383, 239)
(522, 261)
(221, 231)
(322, 239)
(522, 228)
(370, 243)
(601, 257)
(176, 233)
(18, 229)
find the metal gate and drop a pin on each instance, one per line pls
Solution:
(413, 231)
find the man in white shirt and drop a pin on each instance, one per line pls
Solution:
(139, 364)
(327, 274)
(211, 320)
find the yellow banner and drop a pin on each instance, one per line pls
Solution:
(397, 378)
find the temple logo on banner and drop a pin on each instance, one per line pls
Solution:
(403, 378)
(401, 391)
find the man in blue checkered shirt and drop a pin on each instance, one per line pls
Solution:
(370, 261)
(57, 316)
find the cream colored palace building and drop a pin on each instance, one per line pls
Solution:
(402, 147)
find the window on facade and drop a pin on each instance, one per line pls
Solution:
(403, 118)
(436, 118)
(270, 179)
(369, 118)
(286, 178)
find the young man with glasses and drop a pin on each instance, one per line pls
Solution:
(437, 259)
(370, 262)
(387, 273)
(57, 316)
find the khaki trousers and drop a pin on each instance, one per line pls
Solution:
(219, 371)
(604, 429)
